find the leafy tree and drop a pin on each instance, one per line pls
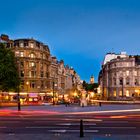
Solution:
(90, 87)
(9, 79)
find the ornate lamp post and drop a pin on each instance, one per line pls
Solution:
(27, 83)
(54, 85)
(18, 99)
(53, 94)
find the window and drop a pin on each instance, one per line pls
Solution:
(127, 81)
(21, 54)
(41, 55)
(121, 81)
(127, 64)
(21, 64)
(120, 93)
(127, 73)
(47, 74)
(127, 93)
(32, 64)
(135, 73)
(136, 81)
(17, 53)
(41, 66)
(22, 73)
(32, 73)
(32, 55)
(32, 84)
(114, 81)
(22, 84)
(41, 74)
(21, 44)
(25, 44)
(44, 56)
(32, 45)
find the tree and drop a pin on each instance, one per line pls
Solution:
(90, 87)
(9, 78)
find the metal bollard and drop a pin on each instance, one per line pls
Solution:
(81, 129)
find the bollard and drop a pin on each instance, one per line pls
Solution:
(81, 129)
(100, 104)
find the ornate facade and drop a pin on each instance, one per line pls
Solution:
(41, 74)
(120, 77)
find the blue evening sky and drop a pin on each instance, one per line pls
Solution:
(79, 31)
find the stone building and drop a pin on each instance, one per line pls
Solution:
(38, 70)
(120, 77)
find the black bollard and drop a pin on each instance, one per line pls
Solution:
(100, 104)
(81, 129)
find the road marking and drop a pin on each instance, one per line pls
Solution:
(105, 111)
(68, 124)
(115, 127)
(43, 127)
(5, 121)
(58, 131)
(3, 127)
(92, 120)
(63, 131)
(11, 134)
(88, 131)
(115, 121)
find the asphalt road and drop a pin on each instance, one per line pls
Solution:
(70, 124)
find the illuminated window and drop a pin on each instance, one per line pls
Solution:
(32, 64)
(32, 73)
(17, 53)
(135, 73)
(127, 73)
(32, 45)
(127, 64)
(21, 54)
(22, 73)
(21, 44)
(120, 93)
(127, 93)
(32, 55)
(114, 93)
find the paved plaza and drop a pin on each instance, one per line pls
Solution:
(77, 108)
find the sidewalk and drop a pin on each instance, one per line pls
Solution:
(75, 108)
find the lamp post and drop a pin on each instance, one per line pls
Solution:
(27, 83)
(18, 99)
(53, 94)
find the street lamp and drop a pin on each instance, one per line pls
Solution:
(27, 83)
(18, 99)
(54, 85)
